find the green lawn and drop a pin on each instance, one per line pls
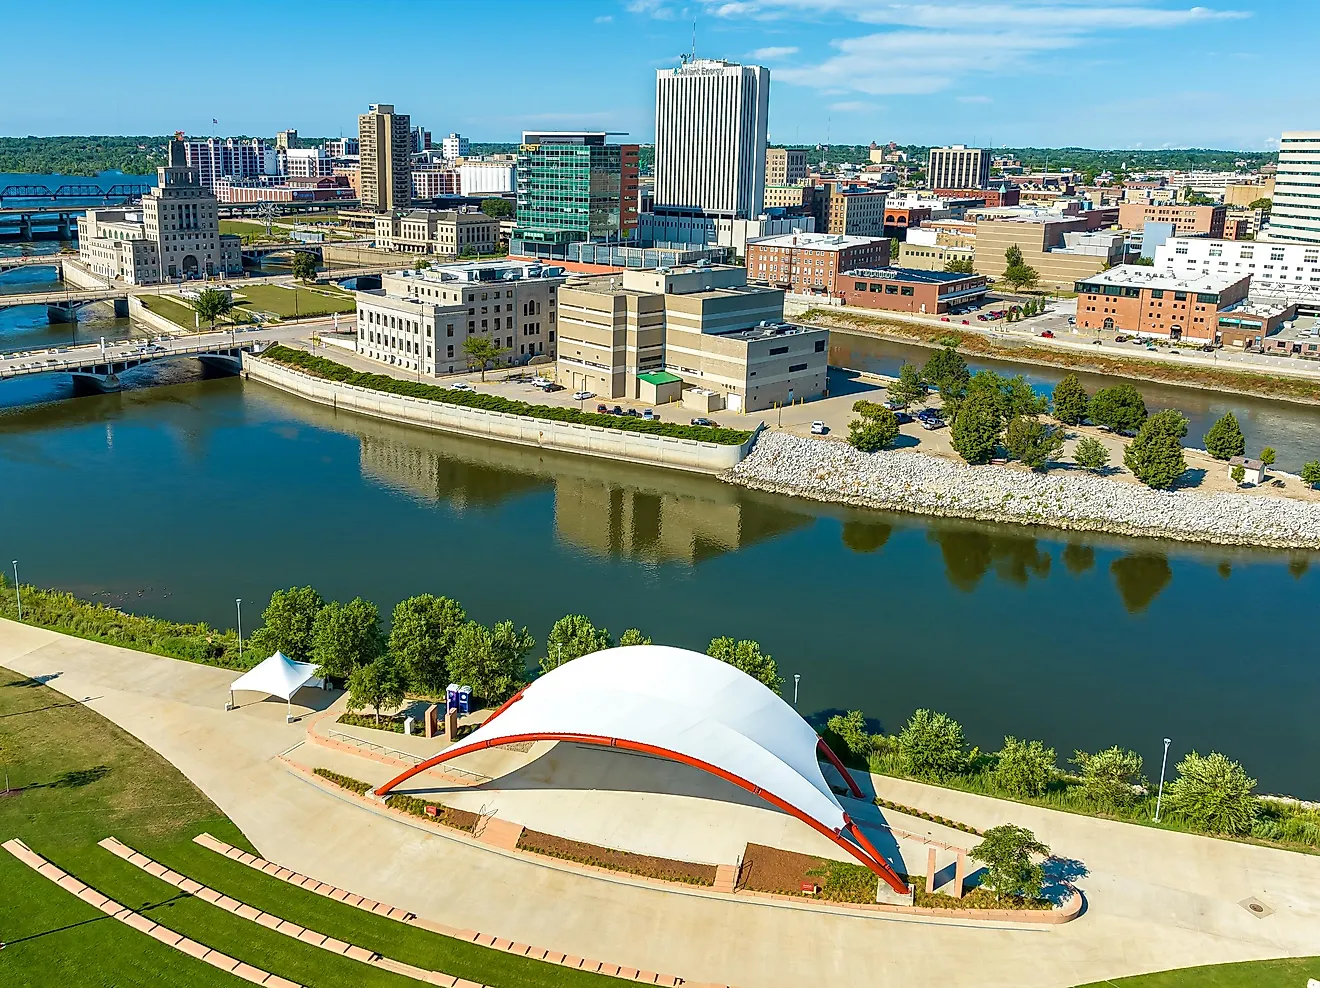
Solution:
(82, 779)
(1288, 973)
(243, 228)
(175, 311)
(317, 300)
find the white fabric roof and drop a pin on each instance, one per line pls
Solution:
(684, 702)
(279, 676)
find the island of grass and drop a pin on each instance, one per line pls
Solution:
(1285, 972)
(323, 367)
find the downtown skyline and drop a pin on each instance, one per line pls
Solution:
(1050, 73)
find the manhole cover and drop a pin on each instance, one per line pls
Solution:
(1256, 907)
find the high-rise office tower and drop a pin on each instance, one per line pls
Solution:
(572, 187)
(1295, 216)
(711, 126)
(958, 167)
(384, 143)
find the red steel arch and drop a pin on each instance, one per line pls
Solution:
(863, 850)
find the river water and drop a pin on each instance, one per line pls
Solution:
(176, 500)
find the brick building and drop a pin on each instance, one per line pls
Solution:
(1135, 299)
(908, 290)
(1005, 195)
(1187, 220)
(811, 263)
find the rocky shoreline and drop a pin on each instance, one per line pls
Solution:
(910, 481)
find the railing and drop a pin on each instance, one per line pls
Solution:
(135, 359)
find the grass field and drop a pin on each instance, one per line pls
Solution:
(1291, 972)
(310, 301)
(79, 778)
(242, 228)
(175, 312)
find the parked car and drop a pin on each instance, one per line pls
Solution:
(1096, 342)
(540, 382)
(583, 395)
(892, 405)
(617, 410)
(634, 413)
(602, 409)
(552, 387)
(460, 386)
(819, 428)
(903, 418)
(650, 416)
(928, 413)
(1208, 348)
(932, 424)
(702, 420)
(1048, 334)
(1120, 338)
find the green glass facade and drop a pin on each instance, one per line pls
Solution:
(569, 192)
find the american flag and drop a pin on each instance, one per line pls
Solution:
(214, 120)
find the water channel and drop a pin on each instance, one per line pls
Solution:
(177, 499)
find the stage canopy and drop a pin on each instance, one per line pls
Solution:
(277, 676)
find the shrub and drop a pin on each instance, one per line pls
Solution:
(1109, 777)
(1032, 442)
(1224, 439)
(1311, 473)
(872, 433)
(1008, 853)
(1091, 454)
(1024, 768)
(344, 781)
(323, 367)
(846, 734)
(931, 744)
(1213, 794)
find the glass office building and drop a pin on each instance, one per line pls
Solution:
(573, 187)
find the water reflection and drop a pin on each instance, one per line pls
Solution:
(1140, 578)
(866, 536)
(970, 553)
(1078, 558)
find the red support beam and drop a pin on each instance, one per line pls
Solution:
(834, 760)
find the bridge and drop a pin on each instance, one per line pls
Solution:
(255, 252)
(121, 191)
(36, 260)
(61, 305)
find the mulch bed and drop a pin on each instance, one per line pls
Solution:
(645, 865)
(450, 816)
(386, 723)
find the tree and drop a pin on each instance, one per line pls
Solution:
(1238, 474)
(1013, 255)
(303, 266)
(1155, 457)
(572, 637)
(909, 387)
(491, 661)
(346, 636)
(1213, 794)
(931, 745)
(873, 430)
(947, 370)
(1145, 262)
(1091, 454)
(1224, 439)
(895, 251)
(1070, 401)
(633, 637)
(1017, 273)
(1032, 442)
(975, 430)
(422, 631)
(469, 250)
(1024, 768)
(1008, 853)
(1120, 408)
(212, 303)
(497, 208)
(849, 731)
(746, 655)
(481, 350)
(377, 684)
(1267, 456)
(1110, 777)
(1265, 203)
(1311, 473)
(287, 624)
(420, 264)
(959, 265)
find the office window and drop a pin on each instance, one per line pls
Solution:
(794, 368)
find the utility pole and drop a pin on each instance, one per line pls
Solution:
(1160, 798)
(18, 594)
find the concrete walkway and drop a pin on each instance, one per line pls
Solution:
(1157, 900)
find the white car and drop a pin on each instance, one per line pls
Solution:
(461, 386)
(540, 382)
(819, 428)
(583, 395)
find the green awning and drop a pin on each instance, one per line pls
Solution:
(660, 377)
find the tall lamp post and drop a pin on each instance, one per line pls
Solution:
(1159, 800)
(796, 679)
(18, 594)
(238, 602)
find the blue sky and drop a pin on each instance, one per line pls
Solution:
(1096, 73)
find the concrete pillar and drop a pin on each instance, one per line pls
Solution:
(930, 869)
(451, 725)
(430, 722)
(960, 874)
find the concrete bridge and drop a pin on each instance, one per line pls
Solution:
(55, 261)
(61, 306)
(253, 253)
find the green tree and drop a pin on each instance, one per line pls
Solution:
(377, 684)
(1032, 442)
(497, 208)
(1311, 473)
(287, 624)
(975, 430)
(303, 266)
(1009, 854)
(931, 745)
(420, 264)
(1145, 262)
(469, 250)
(895, 250)
(873, 432)
(1013, 255)
(1265, 203)
(846, 734)
(346, 636)
(572, 637)
(747, 656)
(1267, 456)
(1120, 408)
(1070, 401)
(491, 660)
(947, 371)
(1238, 474)
(1110, 777)
(1091, 454)
(1224, 439)
(959, 265)
(1024, 768)
(633, 637)
(481, 350)
(1213, 794)
(422, 631)
(212, 303)
(909, 387)
(1155, 457)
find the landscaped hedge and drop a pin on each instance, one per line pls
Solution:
(386, 723)
(323, 367)
(647, 865)
(922, 814)
(343, 781)
(448, 815)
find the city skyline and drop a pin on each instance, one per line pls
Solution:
(1091, 73)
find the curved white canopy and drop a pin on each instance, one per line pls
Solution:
(279, 676)
(682, 702)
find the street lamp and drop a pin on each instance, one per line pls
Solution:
(1160, 798)
(238, 602)
(18, 594)
(796, 678)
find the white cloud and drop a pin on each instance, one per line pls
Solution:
(658, 9)
(855, 106)
(771, 53)
(604, 18)
(975, 99)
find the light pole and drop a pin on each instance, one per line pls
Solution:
(1160, 798)
(18, 594)
(796, 678)
(238, 602)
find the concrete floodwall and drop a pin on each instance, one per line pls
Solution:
(77, 276)
(570, 437)
(140, 314)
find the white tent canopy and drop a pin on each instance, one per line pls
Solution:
(277, 676)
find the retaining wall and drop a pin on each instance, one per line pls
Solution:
(570, 437)
(139, 313)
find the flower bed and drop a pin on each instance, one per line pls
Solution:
(645, 865)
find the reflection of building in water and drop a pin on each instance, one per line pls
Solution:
(435, 474)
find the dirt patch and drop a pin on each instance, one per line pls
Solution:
(645, 865)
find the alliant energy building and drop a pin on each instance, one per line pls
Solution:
(700, 333)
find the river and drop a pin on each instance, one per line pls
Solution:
(176, 500)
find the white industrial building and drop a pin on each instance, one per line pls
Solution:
(1284, 272)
